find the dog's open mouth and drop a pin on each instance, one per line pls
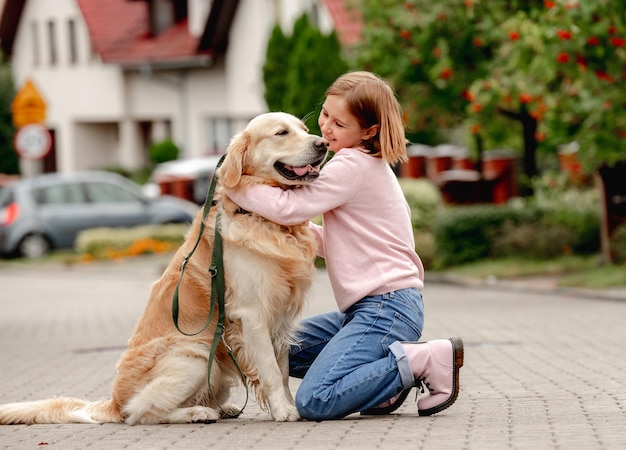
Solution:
(302, 173)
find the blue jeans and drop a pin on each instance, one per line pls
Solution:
(344, 360)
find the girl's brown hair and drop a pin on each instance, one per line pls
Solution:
(372, 101)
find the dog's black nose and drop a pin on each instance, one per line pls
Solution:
(321, 144)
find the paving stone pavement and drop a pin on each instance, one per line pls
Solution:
(544, 369)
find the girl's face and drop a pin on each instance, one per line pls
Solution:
(340, 127)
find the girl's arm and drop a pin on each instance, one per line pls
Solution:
(294, 206)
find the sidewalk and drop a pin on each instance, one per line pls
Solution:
(544, 368)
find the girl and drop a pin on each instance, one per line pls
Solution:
(363, 357)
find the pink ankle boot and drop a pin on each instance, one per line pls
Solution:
(436, 364)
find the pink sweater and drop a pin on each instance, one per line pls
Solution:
(366, 237)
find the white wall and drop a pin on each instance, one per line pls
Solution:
(95, 108)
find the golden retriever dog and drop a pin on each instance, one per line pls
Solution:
(162, 377)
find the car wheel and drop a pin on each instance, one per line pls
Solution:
(34, 246)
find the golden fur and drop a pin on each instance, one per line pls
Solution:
(268, 268)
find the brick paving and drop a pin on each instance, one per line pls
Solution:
(544, 368)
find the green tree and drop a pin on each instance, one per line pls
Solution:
(299, 68)
(9, 161)
(275, 68)
(555, 67)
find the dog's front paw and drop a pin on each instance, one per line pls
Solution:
(198, 414)
(230, 411)
(286, 413)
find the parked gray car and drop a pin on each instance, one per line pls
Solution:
(48, 211)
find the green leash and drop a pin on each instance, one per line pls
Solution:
(218, 288)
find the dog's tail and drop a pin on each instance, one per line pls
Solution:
(59, 410)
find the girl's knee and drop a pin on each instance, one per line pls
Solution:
(311, 408)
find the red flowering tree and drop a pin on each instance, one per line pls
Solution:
(556, 67)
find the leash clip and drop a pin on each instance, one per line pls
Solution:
(230, 350)
(184, 263)
(213, 271)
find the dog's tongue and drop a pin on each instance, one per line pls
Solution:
(303, 170)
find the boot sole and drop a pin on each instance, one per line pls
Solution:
(457, 361)
(387, 409)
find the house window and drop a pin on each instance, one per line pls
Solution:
(71, 33)
(161, 16)
(34, 32)
(219, 132)
(180, 10)
(52, 44)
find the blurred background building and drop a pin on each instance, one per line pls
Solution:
(110, 77)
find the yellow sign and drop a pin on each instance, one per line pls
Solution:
(28, 106)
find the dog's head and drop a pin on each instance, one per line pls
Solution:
(274, 148)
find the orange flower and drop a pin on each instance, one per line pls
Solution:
(604, 76)
(514, 36)
(405, 34)
(467, 95)
(549, 4)
(477, 42)
(477, 107)
(446, 73)
(540, 136)
(562, 57)
(475, 129)
(564, 34)
(618, 42)
(593, 40)
(525, 97)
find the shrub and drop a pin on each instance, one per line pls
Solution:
(163, 151)
(618, 244)
(531, 240)
(465, 233)
(520, 229)
(106, 243)
(424, 199)
(425, 247)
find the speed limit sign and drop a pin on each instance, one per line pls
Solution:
(33, 141)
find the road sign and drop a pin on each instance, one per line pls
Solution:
(28, 106)
(33, 141)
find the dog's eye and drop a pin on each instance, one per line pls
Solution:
(282, 133)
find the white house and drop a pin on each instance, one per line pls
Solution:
(117, 75)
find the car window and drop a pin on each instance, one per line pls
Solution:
(6, 197)
(107, 193)
(60, 194)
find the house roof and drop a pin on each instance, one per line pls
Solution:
(9, 20)
(347, 21)
(120, 32)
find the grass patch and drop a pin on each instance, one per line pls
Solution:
(571, 271)
(519, 267)
(596, 278)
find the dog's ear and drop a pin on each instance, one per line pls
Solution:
(232, 167)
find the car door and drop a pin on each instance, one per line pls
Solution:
(63, 211)
(117, 206)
